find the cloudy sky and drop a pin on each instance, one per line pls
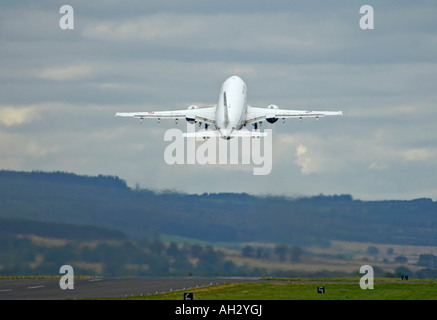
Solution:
(61, 88)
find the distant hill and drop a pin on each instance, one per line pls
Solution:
(66, 231)
(107, 202)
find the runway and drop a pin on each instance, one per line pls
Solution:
(49, 289)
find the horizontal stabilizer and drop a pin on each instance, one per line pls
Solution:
(215, 133)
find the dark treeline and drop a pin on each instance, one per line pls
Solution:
(21, 256)
(57, 230)
(64, 178)
(107, 202)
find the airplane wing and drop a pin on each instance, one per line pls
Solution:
(193, 113)
(255, 114)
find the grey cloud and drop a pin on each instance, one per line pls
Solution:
(59, 90)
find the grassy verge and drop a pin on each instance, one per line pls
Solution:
(335, 289)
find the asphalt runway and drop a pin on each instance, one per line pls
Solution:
(49, 289)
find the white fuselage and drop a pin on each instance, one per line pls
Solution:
(231, 107)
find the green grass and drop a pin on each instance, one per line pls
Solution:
(345, 289)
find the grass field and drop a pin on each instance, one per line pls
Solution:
(341, 289)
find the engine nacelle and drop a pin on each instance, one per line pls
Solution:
(191, 120)
(272, 120)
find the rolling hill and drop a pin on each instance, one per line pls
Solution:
(107, 202)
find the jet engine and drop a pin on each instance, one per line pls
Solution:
(272, 120)
(191, 120)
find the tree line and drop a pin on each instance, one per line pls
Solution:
(154, 258)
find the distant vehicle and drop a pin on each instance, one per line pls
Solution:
(231, 113)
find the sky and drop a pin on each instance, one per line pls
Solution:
(60, 89)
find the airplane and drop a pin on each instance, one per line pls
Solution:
(231, 114)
